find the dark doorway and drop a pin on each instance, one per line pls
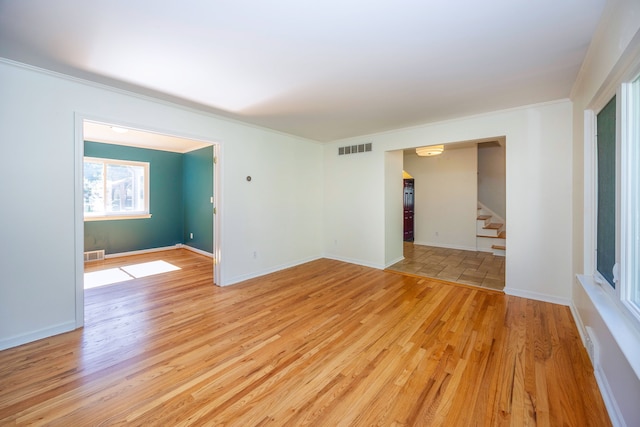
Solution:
(408, 210)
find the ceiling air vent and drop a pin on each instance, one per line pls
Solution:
(354, 149)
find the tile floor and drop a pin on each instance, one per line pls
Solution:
(471, 268)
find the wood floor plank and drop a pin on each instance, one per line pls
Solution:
(324, 343)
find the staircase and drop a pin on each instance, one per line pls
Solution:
(491, 234)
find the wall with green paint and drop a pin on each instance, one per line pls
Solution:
(198, 190)
(165, 227)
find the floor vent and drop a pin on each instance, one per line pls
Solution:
(354, 149)
(592, 347)
(94, 256)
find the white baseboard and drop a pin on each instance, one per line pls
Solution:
(537, 296)
(164, 248)
(143, 251)
(394, 262)
(576, 318)
(447, 246)
(196, 250)
(264, 272)
(609, 401)
(355, 261)
(37, 335)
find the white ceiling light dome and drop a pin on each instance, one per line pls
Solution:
(431, 150)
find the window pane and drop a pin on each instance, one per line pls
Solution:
(93, 187)
(606, 197)
(125, 188)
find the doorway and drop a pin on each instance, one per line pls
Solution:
(446, 198)
(117, 138)
(408, 206)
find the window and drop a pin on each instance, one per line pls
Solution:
(606, 191)
(115, 189)
(617, 197)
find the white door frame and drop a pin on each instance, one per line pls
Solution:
(79, 119)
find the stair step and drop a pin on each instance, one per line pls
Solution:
(483, 217)
(503, 234)
(499, 236)
(493, 226)
(499, 247)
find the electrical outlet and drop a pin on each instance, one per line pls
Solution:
(191, 235)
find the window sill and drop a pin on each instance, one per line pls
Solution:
(623, 329)
(115, 217)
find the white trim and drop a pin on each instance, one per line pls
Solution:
(447, 246)
(104, 215)
(116, 217)
(615, 415)
(196, 250)
(394, 262)
(355, 261)
(143, 251)
(78, 214)
(582, 330)
(156, 98)
(629, 197)
(37, 335)
(369, 136)
(522, 293)
(244, 277)
(218, 206)
(160, 249)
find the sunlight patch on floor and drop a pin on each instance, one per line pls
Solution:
(116, 275)
(149, 268)
(105, 277)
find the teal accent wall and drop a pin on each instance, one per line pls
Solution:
(165, 227)
(198, 190)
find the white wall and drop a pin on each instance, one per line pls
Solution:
(277, 215)
(354, 207)
(394, 208)
(615, 45)
(445, 198)
(538, 193)
(492, 178)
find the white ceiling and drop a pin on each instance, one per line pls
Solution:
(323, 70)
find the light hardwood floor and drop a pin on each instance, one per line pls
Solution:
(325, 343)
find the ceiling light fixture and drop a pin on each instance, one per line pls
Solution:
(119, 130)
(432, 150)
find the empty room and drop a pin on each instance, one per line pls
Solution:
(282, 305)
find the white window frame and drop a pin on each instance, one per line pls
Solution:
(630, 196)
(105, 216)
